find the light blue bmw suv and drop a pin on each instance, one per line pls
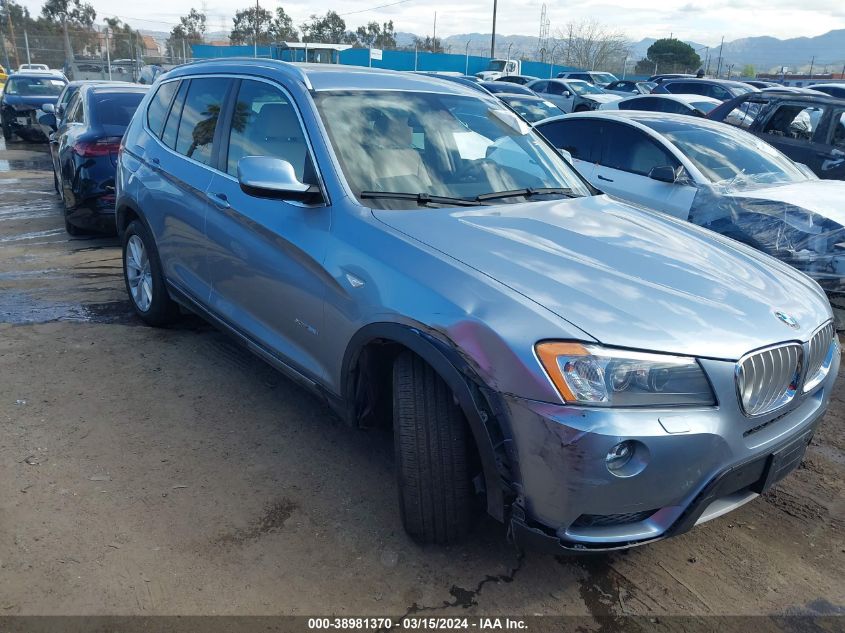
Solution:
(595, 375)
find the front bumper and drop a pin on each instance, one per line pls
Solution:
(701, 463)
(25, 124)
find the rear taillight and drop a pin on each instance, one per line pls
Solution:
(100, 147)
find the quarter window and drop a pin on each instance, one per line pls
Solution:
(200, 114)
(838, 135)
(265, 123)
(159, 104)
(168, 137)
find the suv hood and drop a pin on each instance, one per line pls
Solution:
(628, 277)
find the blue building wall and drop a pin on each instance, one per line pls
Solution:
(393, 60)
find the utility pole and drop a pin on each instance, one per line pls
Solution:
(719, 68)
(12, 35)
(108, 52)
(493, 36)
(812, 63)
(434, 39)
(184, 53)
(255, 40)
(26, 43)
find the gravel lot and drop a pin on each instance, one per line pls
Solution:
(169, 472)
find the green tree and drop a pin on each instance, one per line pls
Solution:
(124, 41)
(75, 12)
(749, 71)
(278, 28)
(190, 30)
(673, 55)
(329, 29)
(427, 43)
(375, 35)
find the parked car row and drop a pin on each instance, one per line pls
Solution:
(418, 254)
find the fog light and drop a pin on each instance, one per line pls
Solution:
(619, 456)
(627, 458)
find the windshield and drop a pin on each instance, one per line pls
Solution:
(34, 86)
(583, 88)
(704, 106)
(729, 157)
(533, 110)
(497, 64)
(604, 78)
(438, 145)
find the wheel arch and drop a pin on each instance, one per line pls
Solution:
(482, 408)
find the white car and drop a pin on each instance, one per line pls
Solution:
(24, 67)
(572, 95)
(713, 175)
(693, 105)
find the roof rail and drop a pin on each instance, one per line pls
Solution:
(293, 71)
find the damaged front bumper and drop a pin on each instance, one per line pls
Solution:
(695, 465)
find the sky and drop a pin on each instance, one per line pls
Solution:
(704, 21)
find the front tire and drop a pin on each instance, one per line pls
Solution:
(143, 277)
(432, 454)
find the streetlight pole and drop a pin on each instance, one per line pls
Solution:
(493, 37)
(466, 66)
(255, 40)
(552, 60)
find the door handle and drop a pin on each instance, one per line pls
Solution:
(600, 177)
(220, 200)
(155, 161)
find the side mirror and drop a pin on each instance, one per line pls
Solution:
(49, 108)
(48, 120)
(664, 173)
(567, 94)
(268, 177)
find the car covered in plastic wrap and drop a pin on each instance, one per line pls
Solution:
(716, 176)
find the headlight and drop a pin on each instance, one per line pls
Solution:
(602, 377)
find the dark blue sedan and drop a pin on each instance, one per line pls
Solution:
(87, 143)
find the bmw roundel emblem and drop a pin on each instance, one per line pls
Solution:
(787, 319)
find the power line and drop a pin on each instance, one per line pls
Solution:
(381, 6)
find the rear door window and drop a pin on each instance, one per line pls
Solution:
(629, 149)
(647, 104)
(718, 92)
(199, 119)
(795, 121)
(837, 133)
(540, 86)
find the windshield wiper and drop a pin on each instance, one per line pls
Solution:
(421, 199)
(528, 192)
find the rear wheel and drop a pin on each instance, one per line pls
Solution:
(143, 277)
(432, 454)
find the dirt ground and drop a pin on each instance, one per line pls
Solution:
(168, 471)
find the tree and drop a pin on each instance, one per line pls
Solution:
(278, 28)
(749, 71)
(374, 35)
(329, 29)
(282, 28)
(124, 41)
(428, 43)
(73, 12)
(673, 56)
(190, 30)
(591, 45)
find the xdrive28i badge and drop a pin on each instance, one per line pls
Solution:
(787, 319)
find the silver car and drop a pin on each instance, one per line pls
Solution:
(594, 374)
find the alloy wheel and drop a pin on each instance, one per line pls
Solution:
(138, 273)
